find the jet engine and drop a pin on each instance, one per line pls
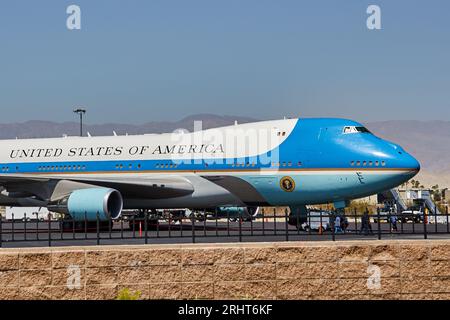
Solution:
(87, 203)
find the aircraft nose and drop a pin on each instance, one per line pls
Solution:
(411, 163)
(407, 161)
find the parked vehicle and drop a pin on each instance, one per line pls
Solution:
(414, 214)
(316, 221)
(384, 216)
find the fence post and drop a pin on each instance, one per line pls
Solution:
(13, 228)
(134, 226)
(263, 223)
(217, 222)
(344, 217)
(379, 223)
(49, 231)
(251, 225)
(193, 226)
(37, 226)
(146, 227)
(1, 230)
(308, 217)
(275, 221)
(157, 224)
(181, 223)
(73, 228)
(98, 229)
(25, 226)
(435, 218)
(170, 225)
(333, 225)
(286, 223)
(446, 214)
(85, 225)
(228, 222)
(402, 220)
(121, 227)
(110, 222)
(61, 227)
(425, 235)
(321, 230)
(240, 226)
(204, 223)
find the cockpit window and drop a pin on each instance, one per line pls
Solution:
(362, 129)
(352, 129)
(348, 129)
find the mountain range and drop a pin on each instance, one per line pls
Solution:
(428, 141)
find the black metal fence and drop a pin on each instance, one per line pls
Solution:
(271, 226)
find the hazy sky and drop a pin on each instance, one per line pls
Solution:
(139, 61)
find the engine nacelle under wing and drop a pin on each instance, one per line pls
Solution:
(87, 203)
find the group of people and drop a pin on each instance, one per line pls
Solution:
(366, 225)
(340, 224)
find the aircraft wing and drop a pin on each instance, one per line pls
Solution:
(150, 188)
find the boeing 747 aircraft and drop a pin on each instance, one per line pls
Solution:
(291, 162)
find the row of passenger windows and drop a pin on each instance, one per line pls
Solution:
(121, 166)
(243, 165)
(368, 163)
(166, 165)
(274, 164)
(233, 165)
(285, 164)
(62, 168)
(80, 167)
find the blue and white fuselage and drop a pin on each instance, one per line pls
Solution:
(288, 162)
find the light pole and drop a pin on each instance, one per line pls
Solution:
(81, 112)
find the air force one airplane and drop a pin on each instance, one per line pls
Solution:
(291, 162)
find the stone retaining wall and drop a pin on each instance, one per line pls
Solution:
(293, 270)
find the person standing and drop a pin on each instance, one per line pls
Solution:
(337, 225)
(365, 223)
(394, 223)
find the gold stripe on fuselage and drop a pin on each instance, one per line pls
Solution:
(264, 170)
